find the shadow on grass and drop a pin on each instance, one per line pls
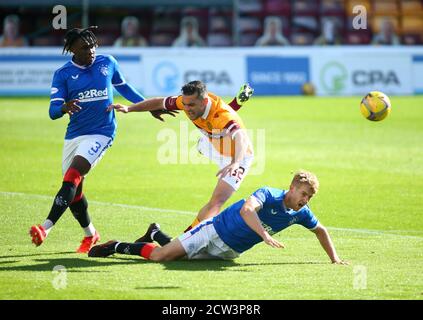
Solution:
(189, 265)
(157, 288)
(212, 265)
(8, 262)
(75, 264)
(225, 265)
(283, 263)
(71, 264)
(36, 254)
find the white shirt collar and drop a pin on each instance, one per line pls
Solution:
(83, 67)
(207, 111)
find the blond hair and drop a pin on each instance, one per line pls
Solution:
(307, 177)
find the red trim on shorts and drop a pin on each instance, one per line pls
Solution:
(147, 249)
(73, 176)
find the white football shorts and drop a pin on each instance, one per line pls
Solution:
(90, 147)
(203, 242)
(206, 148)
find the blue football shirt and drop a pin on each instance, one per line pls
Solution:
(274, 217)
(93, 86)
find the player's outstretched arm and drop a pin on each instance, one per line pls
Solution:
(249, 214)
(324, 238)
(146, 105)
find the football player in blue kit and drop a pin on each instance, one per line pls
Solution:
(236, 229)
(83, 89)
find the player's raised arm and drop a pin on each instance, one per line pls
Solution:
(324, 238)
(242, 144)
(146, 105)
(249, 214)
(245, 92)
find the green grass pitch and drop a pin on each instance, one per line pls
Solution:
(371, 177)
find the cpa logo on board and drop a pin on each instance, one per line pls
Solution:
(333, 77)
(165, 77)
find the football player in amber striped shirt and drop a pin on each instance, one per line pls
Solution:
(224, 138)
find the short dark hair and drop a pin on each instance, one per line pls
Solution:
(306, 177)
(195, 87)
(76, 33)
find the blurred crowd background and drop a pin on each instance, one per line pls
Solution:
(216, 23)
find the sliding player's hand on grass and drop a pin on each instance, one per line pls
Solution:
(271, 241)
(339, 261)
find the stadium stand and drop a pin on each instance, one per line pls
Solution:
(223, 24)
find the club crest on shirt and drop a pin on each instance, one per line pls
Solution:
(104, 69)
